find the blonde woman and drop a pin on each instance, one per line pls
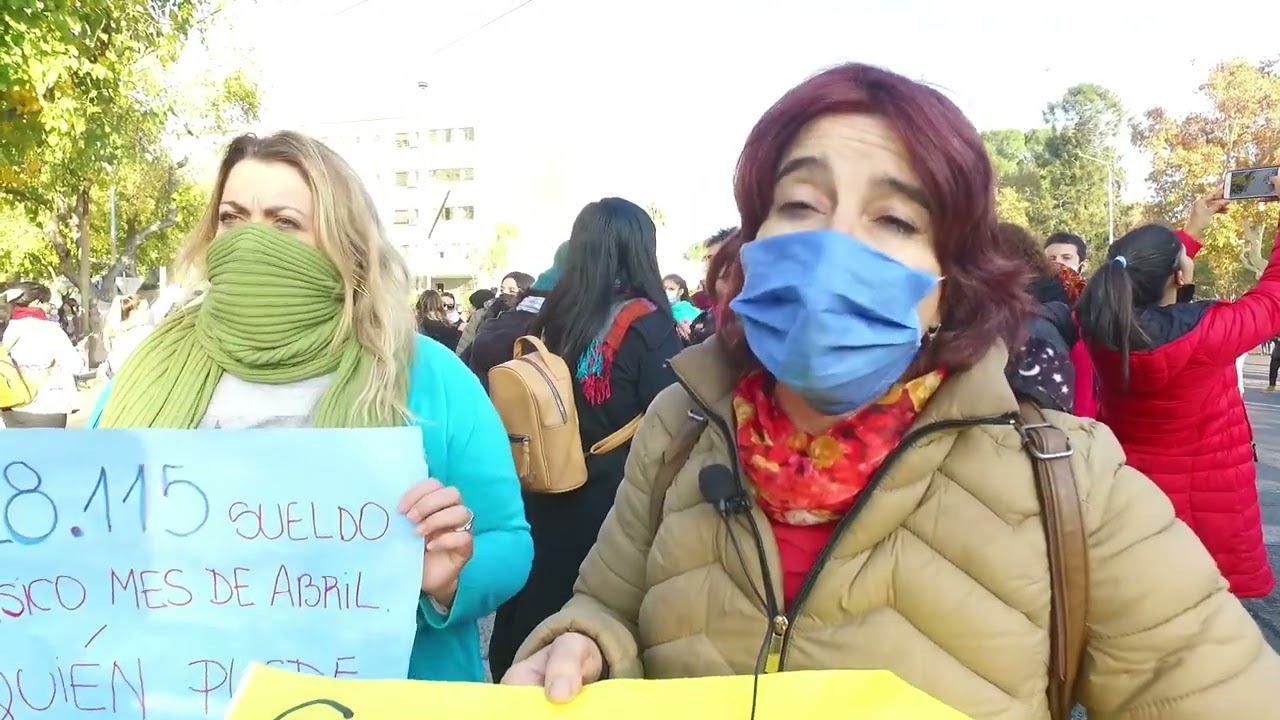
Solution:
(302, 324)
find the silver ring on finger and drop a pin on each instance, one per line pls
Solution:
(466, 527)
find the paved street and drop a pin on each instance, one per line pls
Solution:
(1264, 412)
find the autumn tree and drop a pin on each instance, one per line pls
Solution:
(1054, 178)
(1238, 127)
(88, 105)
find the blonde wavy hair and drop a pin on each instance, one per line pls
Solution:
(375, 279)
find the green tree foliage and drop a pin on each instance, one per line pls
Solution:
(497, 255)
(1045, 177)
(1239, 127)
(87, 102)
(79, 84)
(25, 251)
(697, 252)
(658, 215)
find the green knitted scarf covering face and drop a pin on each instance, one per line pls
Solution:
(269, 316)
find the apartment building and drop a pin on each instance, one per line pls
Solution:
(424, 178)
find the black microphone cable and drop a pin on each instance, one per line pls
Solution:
(721, 490)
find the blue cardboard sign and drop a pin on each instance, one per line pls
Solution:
(141, 572)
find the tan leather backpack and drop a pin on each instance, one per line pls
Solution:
(533, 394)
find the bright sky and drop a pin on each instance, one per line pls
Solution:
(651, 99)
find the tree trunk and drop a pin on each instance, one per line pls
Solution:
(1253, 257)
(84, 280)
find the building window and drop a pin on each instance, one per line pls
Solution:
(407, 179)
(406, 217)
(453, 174)
(450, 135)
(406, 140)
(461, 212)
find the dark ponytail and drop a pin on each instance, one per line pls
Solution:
(1134, 275)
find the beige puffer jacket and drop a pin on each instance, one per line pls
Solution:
(943, 578)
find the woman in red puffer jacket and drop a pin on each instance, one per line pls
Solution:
(1168, 385)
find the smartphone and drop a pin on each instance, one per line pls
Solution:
(1250, 184)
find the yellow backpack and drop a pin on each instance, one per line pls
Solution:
(15, 389)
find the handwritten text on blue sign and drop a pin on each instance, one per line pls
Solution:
(141, 572)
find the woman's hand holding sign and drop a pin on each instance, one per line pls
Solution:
(561, 668)
(445, 524)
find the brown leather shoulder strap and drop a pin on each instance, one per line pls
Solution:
(673, 459)
(1051, 452)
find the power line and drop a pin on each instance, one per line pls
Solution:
(353, 6)
(470, 33)
(456, 40)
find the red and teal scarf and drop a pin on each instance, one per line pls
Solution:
(596, 364)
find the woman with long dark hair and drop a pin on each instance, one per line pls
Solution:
(1169, 389)
(512, 314)
(608, 317)
(683, 311)
(857, 493)
(510, 290)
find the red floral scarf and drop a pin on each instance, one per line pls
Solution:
(803, 479)
(1072, 281)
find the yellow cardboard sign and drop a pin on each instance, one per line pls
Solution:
(268, 693)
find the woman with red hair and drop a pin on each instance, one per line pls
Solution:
(861, 438)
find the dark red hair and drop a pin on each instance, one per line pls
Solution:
(983, 293)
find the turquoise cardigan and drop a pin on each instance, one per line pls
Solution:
(466, 447)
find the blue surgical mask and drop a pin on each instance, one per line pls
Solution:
(831, 317)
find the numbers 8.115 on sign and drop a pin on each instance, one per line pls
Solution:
(121, 499)
(142, 571)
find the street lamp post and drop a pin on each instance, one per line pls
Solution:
(420, 150)
(1111, 189)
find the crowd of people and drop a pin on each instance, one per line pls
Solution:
(830, 454)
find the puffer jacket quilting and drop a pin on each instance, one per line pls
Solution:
(943, 578)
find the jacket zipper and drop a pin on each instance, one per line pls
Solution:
(778, 621)
(782, 631)
(564, 416)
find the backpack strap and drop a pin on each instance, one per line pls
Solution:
(617, 438)
(673, 459)
(1051, 452)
